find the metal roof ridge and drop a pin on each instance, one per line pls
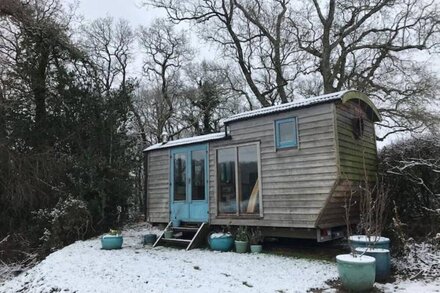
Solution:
(187, 140)
(286, 106)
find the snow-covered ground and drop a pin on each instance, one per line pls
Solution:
(84, 267)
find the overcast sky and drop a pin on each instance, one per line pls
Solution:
(131, 10)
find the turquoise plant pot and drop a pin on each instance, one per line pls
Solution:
(241, 246)
(256, 248)
(356, 273)
(365, 241)
(149, 239)
(221, 241)
(111, 241)
(383, 261)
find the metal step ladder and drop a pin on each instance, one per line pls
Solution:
(188, 234)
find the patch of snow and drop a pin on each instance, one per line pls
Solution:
(84, 267)
(187, 140)
(364, 238)
(370, 249)
(220, 235)
(407, 286)
(111, 236)
(355, 259)
(287, 106)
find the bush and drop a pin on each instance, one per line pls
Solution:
(411, 169)
(67, 222)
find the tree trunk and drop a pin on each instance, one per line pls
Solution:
(3, 132)
(38, 83)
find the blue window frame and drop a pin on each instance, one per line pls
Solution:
(286, 133)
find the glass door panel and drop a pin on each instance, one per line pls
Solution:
(198, 180)
(179, 176)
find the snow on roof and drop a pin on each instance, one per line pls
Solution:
(188, 140)
(288, 106)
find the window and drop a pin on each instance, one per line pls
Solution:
(286, 133)
(238, 189)
(357, 125)
(226, 180)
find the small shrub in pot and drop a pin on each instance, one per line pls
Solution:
(256, 240)
(241, 239)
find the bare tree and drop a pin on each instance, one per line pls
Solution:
(165, 52)
(370, 46)
(210, 97)
(253, 33)
(109, 44)
(293, 47)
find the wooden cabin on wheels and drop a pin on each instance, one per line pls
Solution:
(287, 169)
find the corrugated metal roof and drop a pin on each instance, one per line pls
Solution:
(188, 140)
(288, 106)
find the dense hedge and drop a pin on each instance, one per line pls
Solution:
(411, 170)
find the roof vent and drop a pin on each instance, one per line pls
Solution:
(164, 137)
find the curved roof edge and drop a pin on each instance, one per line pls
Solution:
(357, 95)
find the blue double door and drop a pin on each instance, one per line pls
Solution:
(189, 183)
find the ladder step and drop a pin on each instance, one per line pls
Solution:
(176, 240)
(191, 223)
(185, 229)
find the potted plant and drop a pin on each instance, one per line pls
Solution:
(112, 240)
(256, 239)
(383, 261)
(373, 200)
(241, 240)
(356, 271)
(168, 233)
(221, 241)
(149, 239)
(373, 207)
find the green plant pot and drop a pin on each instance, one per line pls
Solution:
(356, 273)
(241, 246)
(149, 239)
(221, 241)
(111, 242)
(383, 261)
(168, 234)
(372, 241)
(256, 248)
